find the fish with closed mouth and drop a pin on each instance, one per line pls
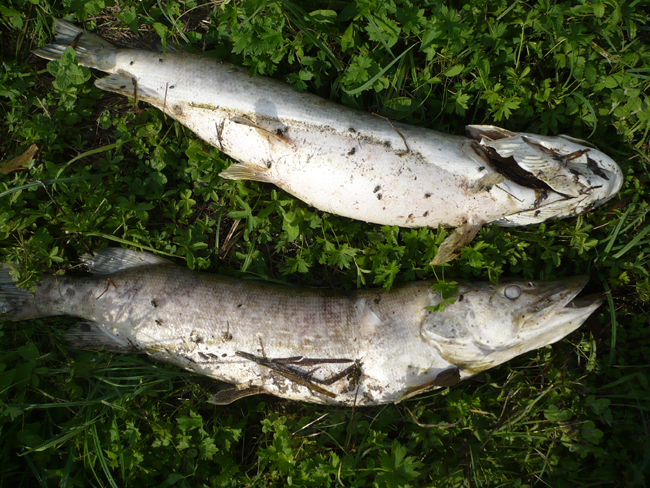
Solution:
(352, 163)
(366, 347)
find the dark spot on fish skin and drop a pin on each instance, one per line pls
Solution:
(425, 213)
(153, 303)
(593, 166)
(190, 359)
(160, 60)
(427, 195)
(85, 327)
(377, 300)
(414, 179)
(204, 356)
(224, 355)
(461, 298)
(537, 213)
(352, 151)
(278, 132)
(481, 168)
(122, 87)
(351, 129)
(172, 87)
(239, 306)
(379, 196)
(158, 322)
(227, 336)
(177, 110)
(131, 63)
(377, 188)
(268, 164)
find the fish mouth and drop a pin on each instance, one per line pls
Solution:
(557, 313)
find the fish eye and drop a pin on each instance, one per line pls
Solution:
(512, 292)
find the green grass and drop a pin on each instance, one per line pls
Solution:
(573, 414)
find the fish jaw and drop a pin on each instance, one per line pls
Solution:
(492, 325)
(580, 176)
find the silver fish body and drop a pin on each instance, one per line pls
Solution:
(351, 163)
(363, 348)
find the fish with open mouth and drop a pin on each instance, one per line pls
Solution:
(366, 347)
(352, 163)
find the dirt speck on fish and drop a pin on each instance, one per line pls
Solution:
(362, 348)
(304, 145)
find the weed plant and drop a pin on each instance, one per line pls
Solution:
(109, 172)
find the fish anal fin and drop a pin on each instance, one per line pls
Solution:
(113, 259)
(452, 245)
(246, 171)
(93, 336)
(124, 84)
(226, 397)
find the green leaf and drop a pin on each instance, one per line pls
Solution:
(454, 70)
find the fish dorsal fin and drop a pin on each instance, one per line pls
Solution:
(113, 259)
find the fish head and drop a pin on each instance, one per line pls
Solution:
(573, 170)
(490, 324)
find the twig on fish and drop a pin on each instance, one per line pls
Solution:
(503, 189)
(165, 100)
(354, 368)
(135, 93)
(402, 153)
(108, 284)
(75, 41)
(219, 131)
(289, 373)
(432, 426)
(301, 360)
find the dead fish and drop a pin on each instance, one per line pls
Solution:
(352, 163)
(362, 348)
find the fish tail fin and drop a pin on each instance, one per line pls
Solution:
(92, 50)
(247, 171)
(15, 303)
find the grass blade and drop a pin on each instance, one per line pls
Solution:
(372, 80)
(633, 242)
(101, 458)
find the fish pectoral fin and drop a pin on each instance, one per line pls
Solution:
(486, 182)
(447, 377)
(247, 171)
(94, 336)
(113, 259)
(127, 85)
(452, 245)
(226, 397)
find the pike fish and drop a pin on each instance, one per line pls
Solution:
(351, 163)
(367, 347)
